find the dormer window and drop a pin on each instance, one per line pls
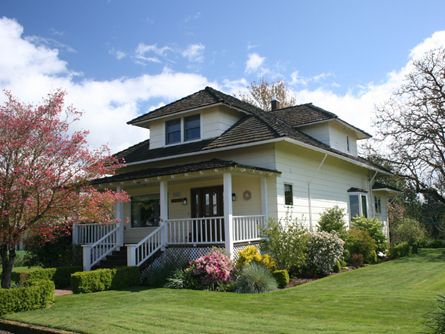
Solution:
(192, 128)
(173, 131)
(182, 130)
(347, 144)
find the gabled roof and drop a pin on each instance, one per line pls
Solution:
(173, 170)
(306, 114)
(256, 126)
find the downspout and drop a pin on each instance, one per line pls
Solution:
(309, 191)
(371, 200)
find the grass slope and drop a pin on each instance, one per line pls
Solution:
(392, 297)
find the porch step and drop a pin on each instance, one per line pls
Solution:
(116, 259)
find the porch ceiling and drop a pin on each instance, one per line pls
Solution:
(215, 164)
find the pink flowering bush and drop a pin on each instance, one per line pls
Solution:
(213, 269)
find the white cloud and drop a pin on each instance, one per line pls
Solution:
(297, 79)
(30, 71)
(194, 53)
(254, 62)
(118, 54)
(150, 53)
(193, 17)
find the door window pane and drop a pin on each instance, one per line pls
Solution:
(354, 205)
(173, 131)
(145, 210)
(192, 128)
(288, 195)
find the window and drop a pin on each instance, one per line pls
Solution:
(192, 128)
(364, 206)
(377, 205)
(358, 205)
(347, 143)
(354, 206)
(145, 210)
(288, 195)
(173, 131)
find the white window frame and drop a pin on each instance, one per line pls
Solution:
(182, 130)
(360, 204)
(284, 194)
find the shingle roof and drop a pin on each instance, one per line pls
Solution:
(187, 168)
(258, 125)
(378, 185)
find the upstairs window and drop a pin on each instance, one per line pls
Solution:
(347, 144)
(192, 128)
(288, 194)
(173, 131)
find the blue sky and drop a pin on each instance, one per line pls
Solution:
(117, 59)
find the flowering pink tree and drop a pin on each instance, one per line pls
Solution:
(44, 174)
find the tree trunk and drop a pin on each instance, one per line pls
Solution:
(8, 258)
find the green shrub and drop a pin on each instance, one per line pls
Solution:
(282, 278)
(104, 279)
(286, 242)
(20, 258)
(182, 279)
(434, 244)
(332, 220)
(356, 260)
(374, 229)
(400, 250)
(255, 278)
(61, 276)
(358, 241)
(36, 294)
(338, 266)
(409, 231)
(324, 251)
(436, 320)
(156, 276)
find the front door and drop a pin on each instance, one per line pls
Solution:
(207, 202)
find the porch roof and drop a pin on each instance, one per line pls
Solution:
(181, 169)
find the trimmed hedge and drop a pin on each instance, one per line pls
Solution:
(282, 278)
(34, 295)
(105, 279)
(61, 276)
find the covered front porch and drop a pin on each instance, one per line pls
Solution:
(214, 203)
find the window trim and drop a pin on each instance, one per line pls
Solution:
(182, 123)
(157, 195)
(360, 195)
(166, 134)
(183, 128)
(292, 193)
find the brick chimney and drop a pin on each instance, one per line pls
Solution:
(274, 104)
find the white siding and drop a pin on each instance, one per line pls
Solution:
(328, 186)
(338, 139)
(318, 131)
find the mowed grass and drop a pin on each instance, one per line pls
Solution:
(391, 297)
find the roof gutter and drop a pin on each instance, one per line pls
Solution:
(275, 140)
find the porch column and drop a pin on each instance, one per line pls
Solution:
(121, 219)
(228, 227)
(163, 201)
(264, 199)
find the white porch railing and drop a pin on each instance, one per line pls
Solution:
(95, 252)
(247, 228)
(209, 230)
(84, 234)
(144, 249)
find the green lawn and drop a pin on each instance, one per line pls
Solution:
(392, 297)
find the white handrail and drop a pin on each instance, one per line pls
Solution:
(248, 228)
(205, 230)
(95, 252)
(144, 249)
(84, 234)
